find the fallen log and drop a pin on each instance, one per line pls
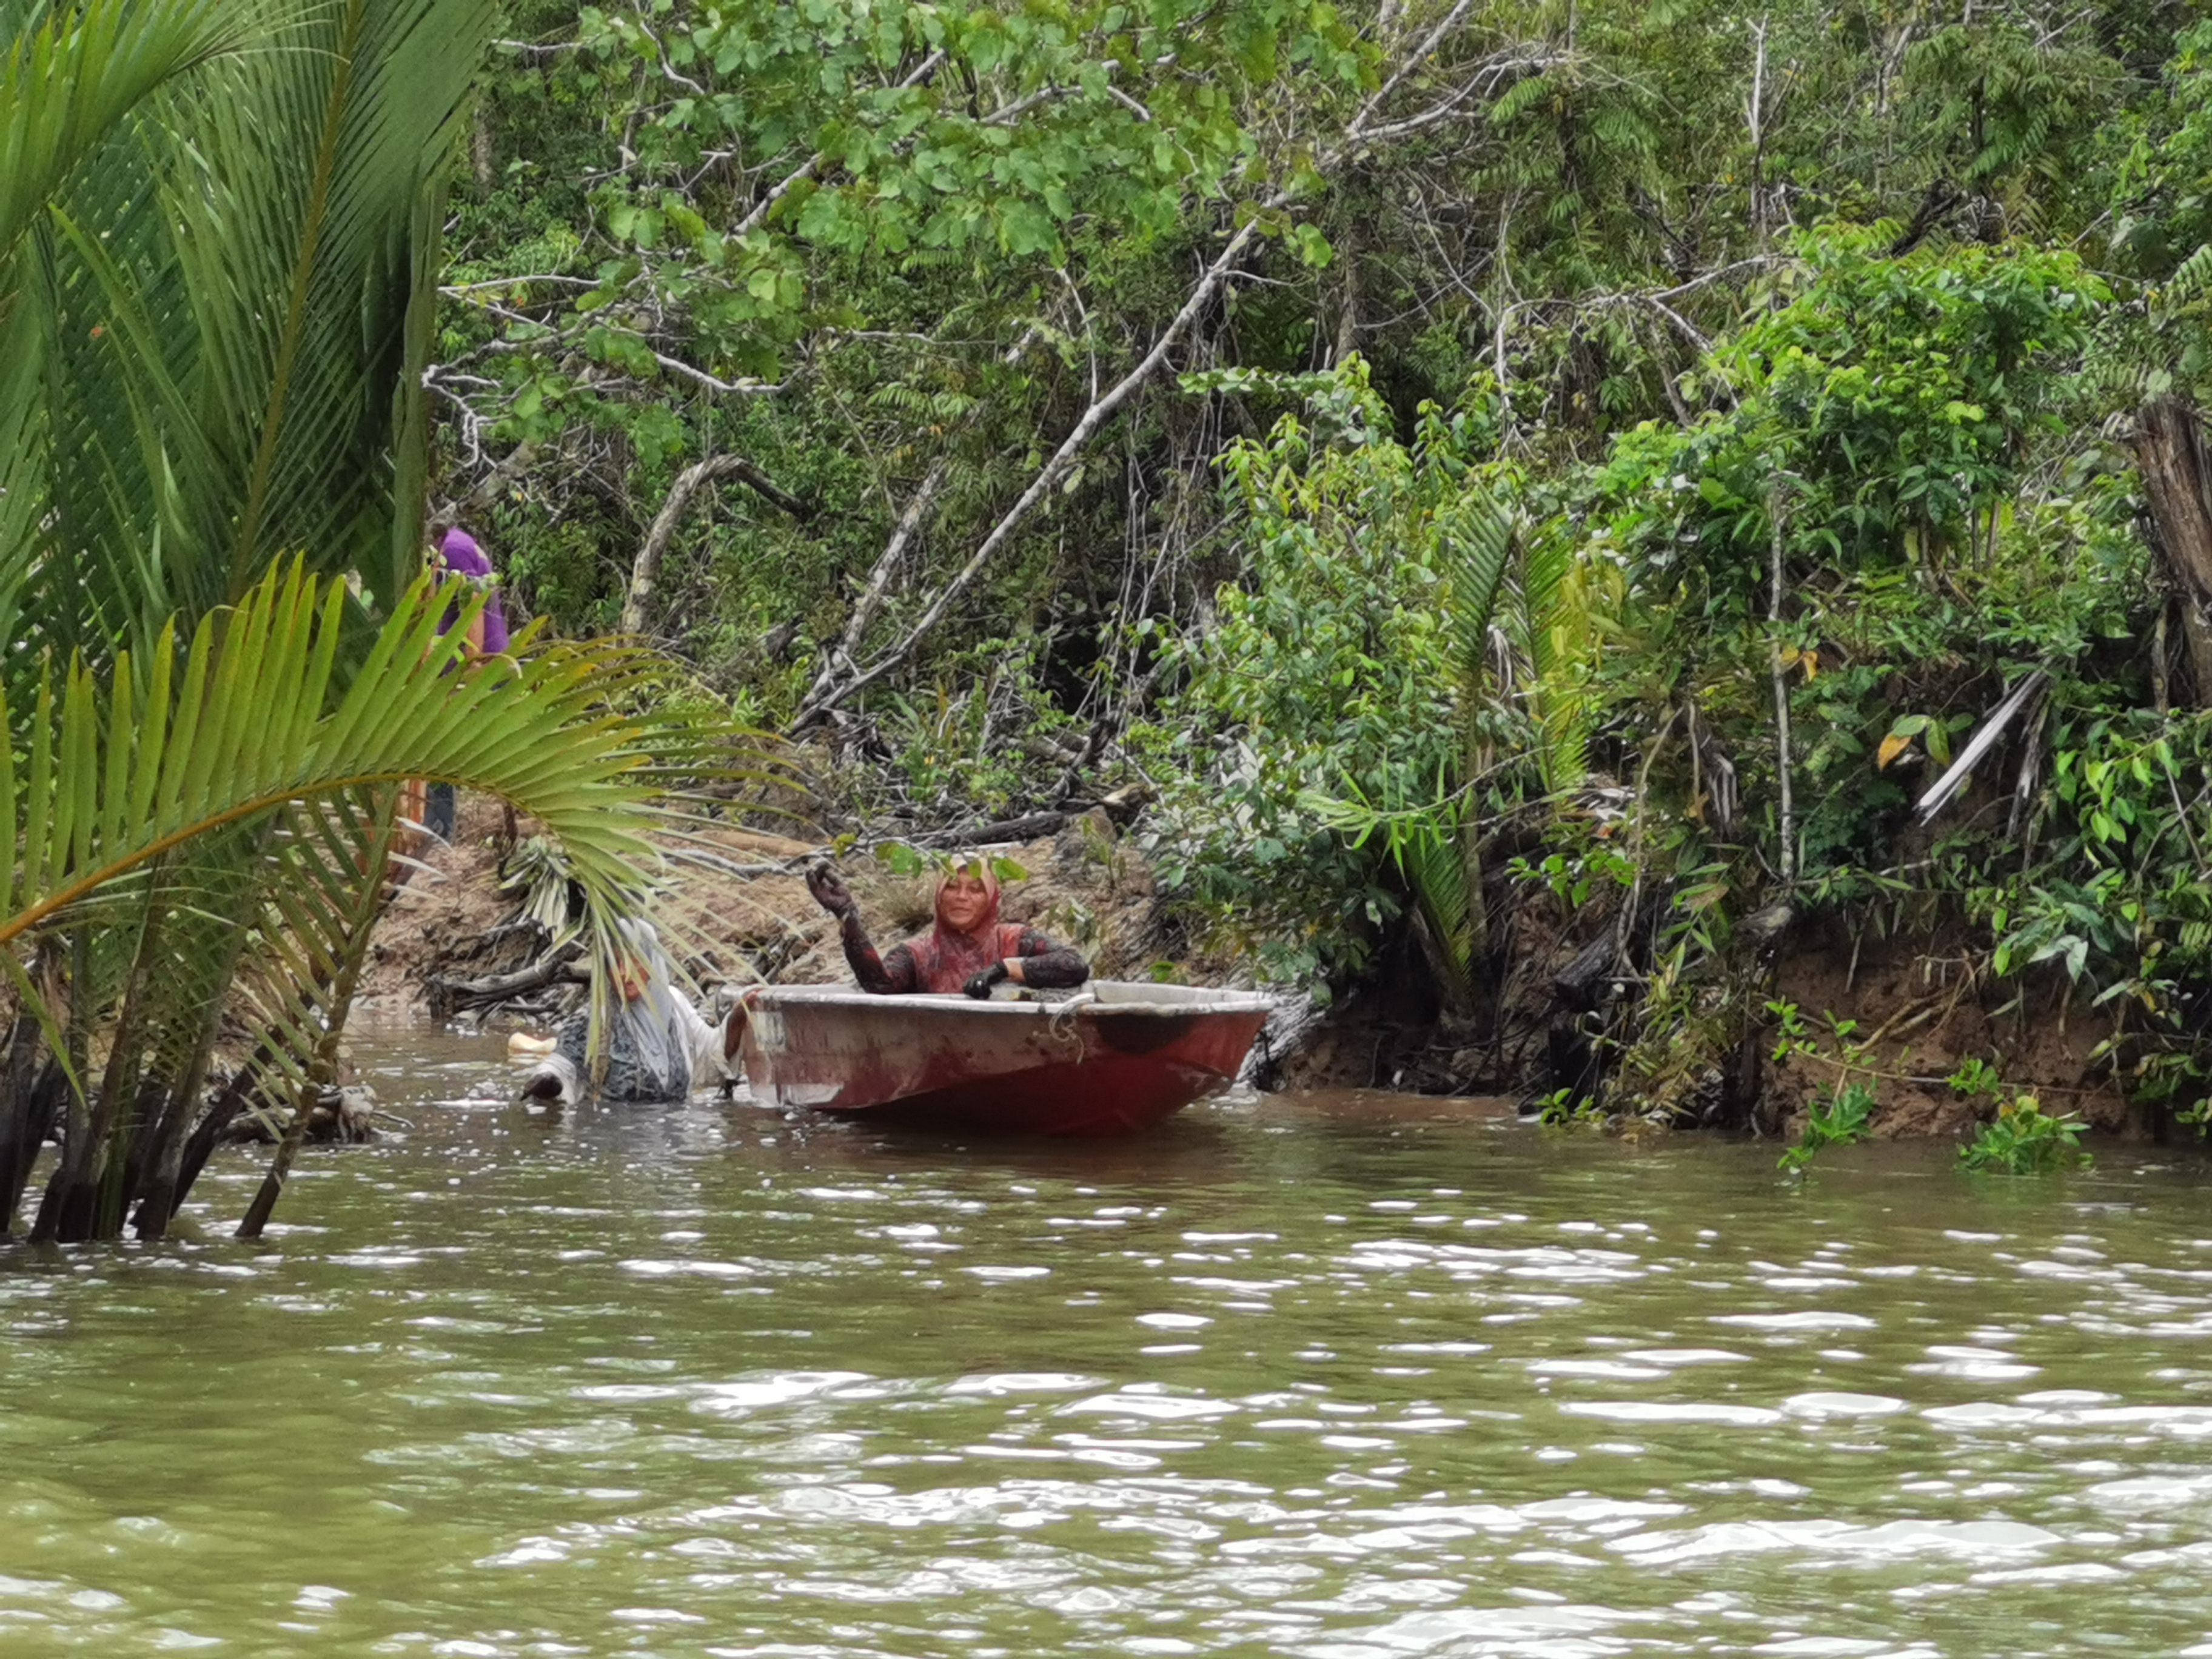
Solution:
(447, 997)
(1034, 827)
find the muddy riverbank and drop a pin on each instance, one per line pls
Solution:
(737, 911)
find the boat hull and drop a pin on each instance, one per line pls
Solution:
(1110, 1065)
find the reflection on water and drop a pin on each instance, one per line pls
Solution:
(1348, 1379)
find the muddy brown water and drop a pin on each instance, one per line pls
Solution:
(1346, 1377)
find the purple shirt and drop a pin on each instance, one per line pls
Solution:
(460, 555)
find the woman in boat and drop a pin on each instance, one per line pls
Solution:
(969, 950)
(659, 1049)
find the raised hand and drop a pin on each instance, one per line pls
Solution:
(830, 890)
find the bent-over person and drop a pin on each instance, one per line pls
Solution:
(658, 1048)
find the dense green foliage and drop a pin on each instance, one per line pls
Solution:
(1115, 384)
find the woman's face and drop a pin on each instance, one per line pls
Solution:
(964, 901)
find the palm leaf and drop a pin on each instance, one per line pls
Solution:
(255, 790)
(247, 736)
(333, 858)
(1547, 624)
(1477, 545)
(1431, 856)
(220, 311)
(69, 84)
(1439, 853)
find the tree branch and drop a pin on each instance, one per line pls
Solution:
(646, 569)
(701, 377)
(808, 169)
(879, 580)
(822, 699)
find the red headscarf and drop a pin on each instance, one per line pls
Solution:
(946, 958)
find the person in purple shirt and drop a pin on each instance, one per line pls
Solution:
(460, 560)
(459, 556)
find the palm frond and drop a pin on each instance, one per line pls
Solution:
(244, 801)
(101, 792)
(215, 327)
(69, 84)
(1549, 627)
(1477, 543)
(1431, 854)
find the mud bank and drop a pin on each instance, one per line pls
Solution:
(734, 908)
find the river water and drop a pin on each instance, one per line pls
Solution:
(1345, 1378)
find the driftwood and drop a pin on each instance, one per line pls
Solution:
(1120, 807)
(448, 997)
(1030, 828)
(340, 1115)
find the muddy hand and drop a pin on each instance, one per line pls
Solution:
(979, 985)
(829, 892)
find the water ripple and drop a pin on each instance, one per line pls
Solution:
(1350, 1379)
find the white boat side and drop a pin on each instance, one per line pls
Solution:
(1105, 995)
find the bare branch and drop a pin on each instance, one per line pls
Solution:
(879, 580)
(822, 699)
(1129, 103)
(1101, 411)
(747, 388)
(459, 291)
(646, 569)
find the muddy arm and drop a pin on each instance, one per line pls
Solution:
(883, 976)
(1047, 965)
(878, 975)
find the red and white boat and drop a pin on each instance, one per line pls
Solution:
(1115, 1057)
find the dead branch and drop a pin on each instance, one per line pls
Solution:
(646, 569)
(879, 580)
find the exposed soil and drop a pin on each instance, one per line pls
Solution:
(735, 908)
(1923, 1010)
(443, 919)
(743, 915)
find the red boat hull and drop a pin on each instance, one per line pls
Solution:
(1104, 1066)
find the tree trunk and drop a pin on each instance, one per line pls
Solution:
(480, 148)
(645, 573)
(75, 1112)
(166, 1191)
(2177, 493)
(27, 1112)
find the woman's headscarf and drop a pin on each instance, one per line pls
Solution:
(460, 554)
(945, 957)
(980, 868)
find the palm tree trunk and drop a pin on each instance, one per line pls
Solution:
(166, 1191)
(27, 1112)
(91, 1163)
(160, 1181)
(75, 1113)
